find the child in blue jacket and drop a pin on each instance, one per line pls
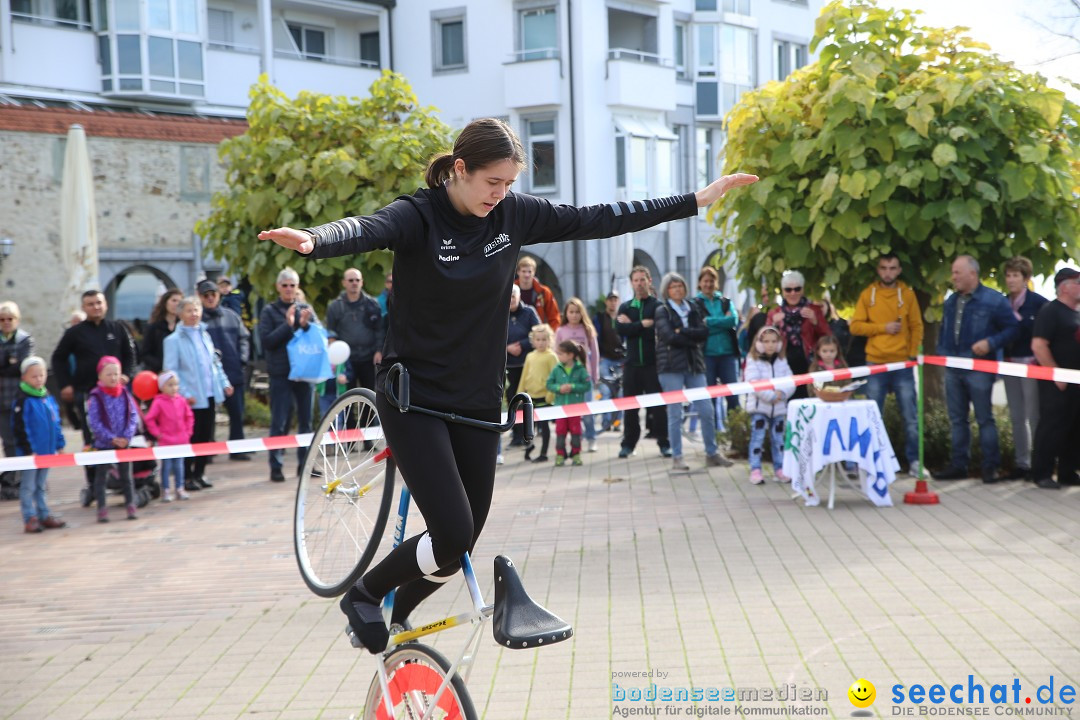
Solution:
(35, 421)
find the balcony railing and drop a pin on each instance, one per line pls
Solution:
(233, 47)
(534, 54)
(638, 56)
(51, 20)
(328, 59)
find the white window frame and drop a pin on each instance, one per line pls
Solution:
(702, 70)
(681, 62)
(738, 7)
(439, 18)
(523, 10)
(644, 140)
(360, 50)
(786, 56)
(43, 12)
(531, 139)
(301, 49)
(226, 43)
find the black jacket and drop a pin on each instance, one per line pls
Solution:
(275, 334)
(152, 353)
(680, 348)
(89, 343)
(640, 340)
(359, 323)
(232, 340)
(518, 327)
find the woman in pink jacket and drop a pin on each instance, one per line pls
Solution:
(577, 326)
(171, 421)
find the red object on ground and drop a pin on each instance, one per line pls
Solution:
(921, 495)
(145, 385)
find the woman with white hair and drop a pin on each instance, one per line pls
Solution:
(15, 346)
(680, 363)
(801, 322)
(278, 322)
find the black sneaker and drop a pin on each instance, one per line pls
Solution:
(665, 451)
(1048, 484)
(365, 619)
(192, 486)
(276, 475)
(203, 482)
(626, 452)
(951, 474)
(1018, 473)
(240, 457)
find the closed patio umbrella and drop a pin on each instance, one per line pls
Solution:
(78, 221)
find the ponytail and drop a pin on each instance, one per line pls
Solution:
(439, 170)
(573, 348)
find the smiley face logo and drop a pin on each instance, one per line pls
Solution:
(862, 693)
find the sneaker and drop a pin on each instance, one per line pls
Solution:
(914, 468)
(780, 477)
(626, 452)
(131, 513)
(203, 483)
(755, 477)
(275, 475)
(192, 486)
(499, 459)
(365, 620)
(576, 460)
(540, 459)
(53, 523)
(1018, 473)
(32, 525)
(240, 457)
(590, 446)
(678, 464)
(560, 460)
(717, 460)
(1048, 484)
(103, 515)
(181, 494)
(167, 496)
(665, 452)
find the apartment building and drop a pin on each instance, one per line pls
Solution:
(614, 99)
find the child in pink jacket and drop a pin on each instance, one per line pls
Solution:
(171, 421)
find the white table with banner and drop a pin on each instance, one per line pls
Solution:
(819, 435)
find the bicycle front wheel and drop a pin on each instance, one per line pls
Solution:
(344, 495)
(414, 673)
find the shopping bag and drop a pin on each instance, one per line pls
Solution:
(309, 360)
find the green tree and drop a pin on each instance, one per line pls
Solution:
(312, 160)
(913, 139)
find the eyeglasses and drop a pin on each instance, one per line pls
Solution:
(352, 279)
(286, 284)
(793, 289)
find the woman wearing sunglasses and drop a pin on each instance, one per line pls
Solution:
(801, 322)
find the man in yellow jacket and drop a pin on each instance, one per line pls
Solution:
(888, 314)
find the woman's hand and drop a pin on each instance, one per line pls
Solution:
(809, 314)
(228, 390)
(715, 190)
(293, 239)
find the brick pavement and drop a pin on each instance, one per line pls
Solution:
(197, 610)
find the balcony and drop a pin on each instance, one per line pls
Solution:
(294, 72)
(231, 70)
(37, 61)
(637, 79)
(533, 78)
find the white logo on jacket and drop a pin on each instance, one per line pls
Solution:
(497, 245)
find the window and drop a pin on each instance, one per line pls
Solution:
(540, 145)
(370, 50)
(788, 56)
(219, 26)
(738, 62)
(706, 51)
(159, 52)
(705, 5)
(448, 41)
(644, 158)
(706, 158)
(57, 13)
(741, 7)
(680, 50)
(632, 36)
(310, 42)
(682, 146)
(539, 34)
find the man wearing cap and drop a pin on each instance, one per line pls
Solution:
(1056, 343)
(233, 341)
(612, 351)
(354, 317)
(978, 322)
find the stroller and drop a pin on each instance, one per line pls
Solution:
(143, 475)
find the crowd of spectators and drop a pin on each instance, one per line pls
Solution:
(652, 342)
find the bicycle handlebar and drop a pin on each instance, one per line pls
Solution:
(399, 398)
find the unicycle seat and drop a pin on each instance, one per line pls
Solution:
(519, 621)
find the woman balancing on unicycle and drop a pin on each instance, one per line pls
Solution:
(455, 245)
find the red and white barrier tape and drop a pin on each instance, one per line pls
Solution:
(1036, 372)
(595, 407)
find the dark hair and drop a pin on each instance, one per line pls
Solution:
(91, 293)
(888, 256)
(573, 348)
(482, 143)
(641, 269)
(158, 313)
(830, 340)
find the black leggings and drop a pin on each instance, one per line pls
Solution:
(450, 470)
(203, 431)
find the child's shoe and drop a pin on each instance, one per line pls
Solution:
(167, 496)
(103, 515)
(560, 460)
(131, 513)
(781, 477)
(576, 460)
(182, 494)
(755, 477)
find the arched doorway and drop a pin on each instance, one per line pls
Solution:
(131, 294)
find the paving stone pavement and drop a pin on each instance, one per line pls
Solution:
(197, 610)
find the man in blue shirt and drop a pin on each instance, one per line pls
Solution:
(978, 323)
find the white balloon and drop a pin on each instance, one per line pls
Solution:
(339, 352)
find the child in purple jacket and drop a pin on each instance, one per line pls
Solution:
(113, 418)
